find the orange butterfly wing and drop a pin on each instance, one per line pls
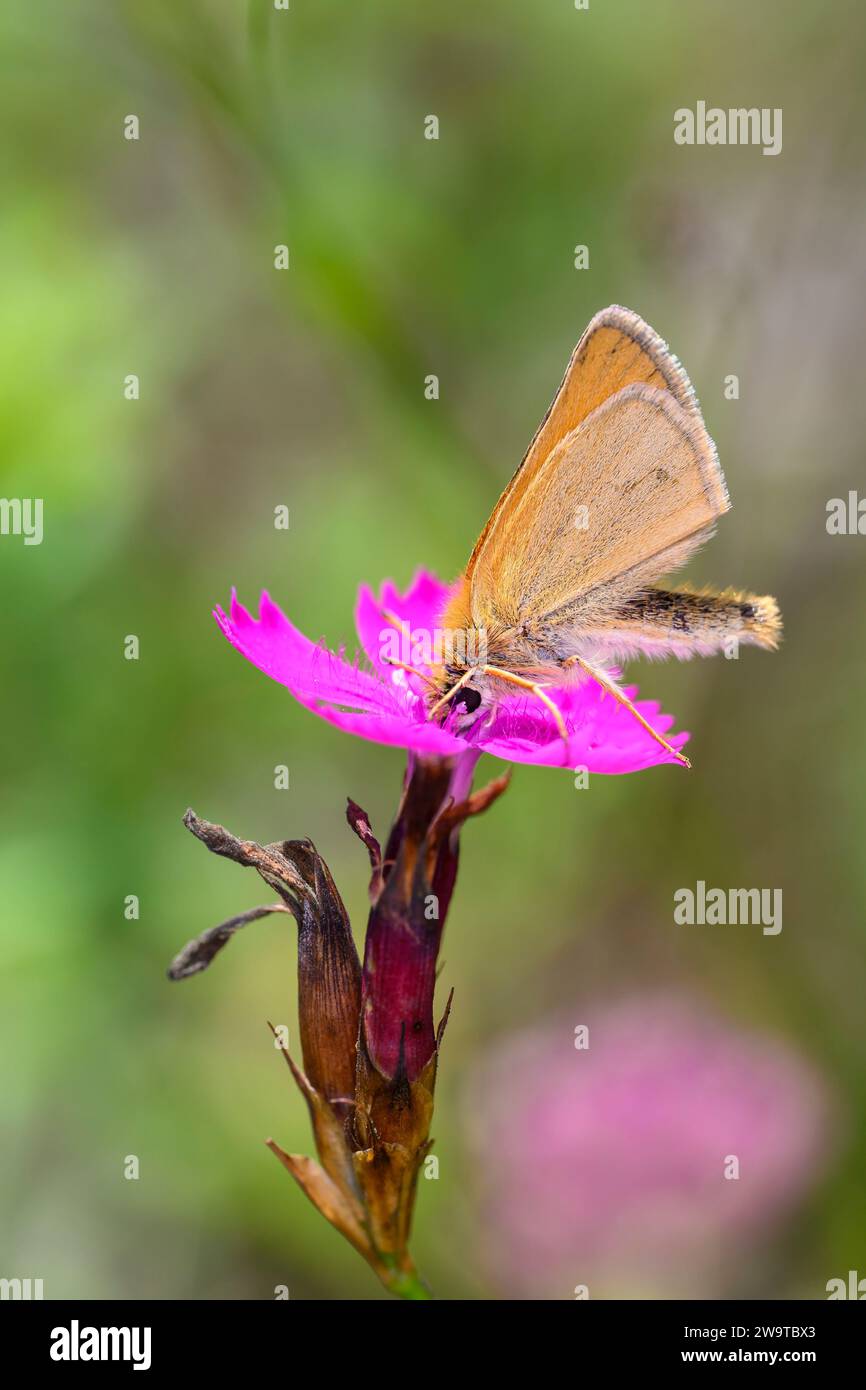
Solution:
(620, 502)
(616, 350)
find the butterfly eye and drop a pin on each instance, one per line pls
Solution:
(468, 697)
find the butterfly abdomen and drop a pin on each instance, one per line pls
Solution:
(702, 618)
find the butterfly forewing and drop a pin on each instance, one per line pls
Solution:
(619, 502)
(617, 350)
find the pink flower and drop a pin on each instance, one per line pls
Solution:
(386, 704)
(644, 1164)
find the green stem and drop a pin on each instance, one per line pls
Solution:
(405, 1283)
(409, 1286)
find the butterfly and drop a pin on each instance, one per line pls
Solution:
(619, 487)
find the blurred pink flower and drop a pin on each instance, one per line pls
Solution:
(386, 704)
(605, 1167)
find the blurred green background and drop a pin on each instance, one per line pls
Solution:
(305, 388)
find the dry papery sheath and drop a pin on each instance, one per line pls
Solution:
(369, 1045)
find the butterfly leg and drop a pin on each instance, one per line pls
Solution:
(395, 622)
(413, 670)
(458, 685)
(539, 692)
(611, 687)
(391, 618)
